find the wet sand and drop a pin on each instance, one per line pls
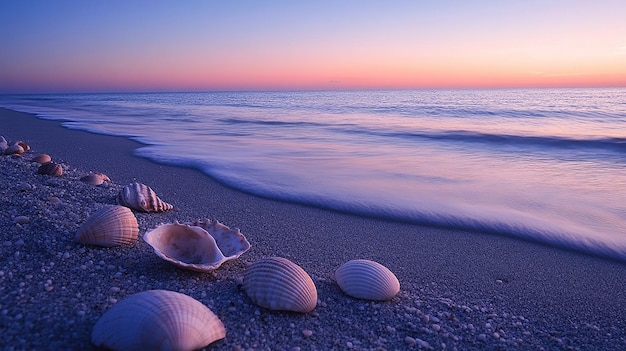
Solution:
(462, 290)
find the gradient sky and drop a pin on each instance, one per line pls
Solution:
(98, 45)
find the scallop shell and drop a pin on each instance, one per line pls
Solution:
(194, 248)
(42, 158)
(279, 284)
(141, 197)
(368, 280)
(109, 226)
(95, 178)
(51, 169)
(157, 320)
(14, 149)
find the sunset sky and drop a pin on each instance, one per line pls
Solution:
(101, 46)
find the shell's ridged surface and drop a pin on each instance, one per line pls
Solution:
(14, 149)
(157, 320)
(279, 284)
(141, 197)
(368, 280)
(51, 169)
(231, 242)
(42, 158)
(109, 226)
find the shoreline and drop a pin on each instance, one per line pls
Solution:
(530, 294)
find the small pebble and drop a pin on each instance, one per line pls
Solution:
(21, 219)
(307, 333)
(410, 341)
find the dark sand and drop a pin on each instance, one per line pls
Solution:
(459, 290)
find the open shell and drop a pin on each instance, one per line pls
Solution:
(109, 226)
(141, 197)
(279, 284)
(51, 169)
(368, 280)
(194, 248)
(157, 320)
(3, 144)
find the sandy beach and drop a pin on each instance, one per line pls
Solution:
(459, 290)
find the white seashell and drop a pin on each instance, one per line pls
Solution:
(141, 197)
(15, 149)
(95, 178)
(194, 248)
(368, 280)
(109, 226)
(42, 158)
(157, 320)
(51, 169)
(3, 144)
(279, 284)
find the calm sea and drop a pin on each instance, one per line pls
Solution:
(542, 164)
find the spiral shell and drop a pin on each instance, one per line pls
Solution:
(192, 247)
(279, 284)
(141, 197)
(109, 226)
(51, 169)
(368, 280)
(157, 320)
(42, 158)
(95, 178)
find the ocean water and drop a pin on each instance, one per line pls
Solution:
(542, 164)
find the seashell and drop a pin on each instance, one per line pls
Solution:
(157, 320)
(51, 169)
(3, 144)
(14, 149)
(95, 178)
(42, 158)
(279, 284)
(24, 145)
(109, 226)
(368, 280)
(194, 248)
(141, 197)
(231, 242)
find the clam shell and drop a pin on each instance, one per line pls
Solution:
(42, 158)
(51, 169)
(192, 247)
(141, 197)
(109, 226)
(231, 242)
(157, 320)
(14, 149)
(279, 284)
(95, 178)
(368, 280)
